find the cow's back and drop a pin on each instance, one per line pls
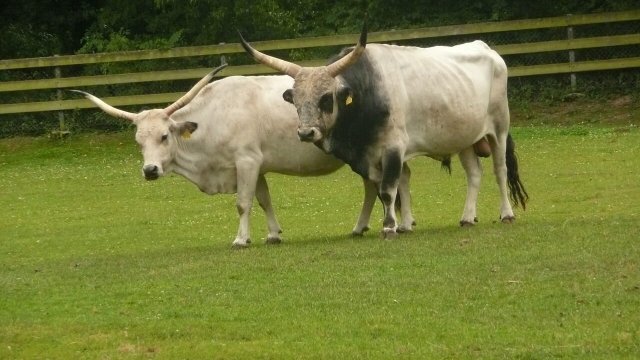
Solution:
(440, 95)
(246, 116)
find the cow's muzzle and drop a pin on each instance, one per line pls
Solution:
(310, 134)
(151, 172)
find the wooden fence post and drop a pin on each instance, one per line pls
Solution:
(572, 54)
(62, 128)
(223, 59)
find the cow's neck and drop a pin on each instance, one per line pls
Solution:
(356, 131)
(184, 163)
(360, 123)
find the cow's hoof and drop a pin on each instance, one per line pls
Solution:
(273, 240)
(389, 234)
(404, 229)
(241, 244)
(508, 219)
(357, 233)
(465, 223)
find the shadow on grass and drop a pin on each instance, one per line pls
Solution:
(214, 252)
(375, 235)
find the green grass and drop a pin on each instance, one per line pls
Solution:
(95, 262)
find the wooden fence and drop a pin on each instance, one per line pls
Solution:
(569, 44)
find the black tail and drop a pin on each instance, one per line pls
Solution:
(446, 164)
(519, 195)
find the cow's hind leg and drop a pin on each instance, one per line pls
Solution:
(370, 192)
(264, 199)
(404, 194)
(498, 152)
(247, 173)
(473, 169)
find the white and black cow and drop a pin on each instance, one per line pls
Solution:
(379, 106)
(224, 136)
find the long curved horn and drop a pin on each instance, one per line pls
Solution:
(106, 107)
(341, 65)
(283, 66)
(186, 98)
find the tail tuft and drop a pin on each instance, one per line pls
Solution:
(518, 193)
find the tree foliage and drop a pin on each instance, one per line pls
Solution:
(48, 27)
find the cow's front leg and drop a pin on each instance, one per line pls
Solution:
(370, 192)
(264, 199)
(391, 170)
(247, 172)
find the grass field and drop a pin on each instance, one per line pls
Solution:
(97, 263)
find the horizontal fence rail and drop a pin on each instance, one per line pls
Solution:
(511, 49)
(530, 70)
(568, 44)
(322, 41)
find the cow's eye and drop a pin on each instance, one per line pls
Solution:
(326, 103)
(164, 137)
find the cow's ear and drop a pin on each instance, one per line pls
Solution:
(344, 96)
(287, 95)
(184, 129)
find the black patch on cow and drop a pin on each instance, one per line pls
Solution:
(385, 197)
(326, 103)
(388, 222)
(359, 123)
(398, 203)
(391, 170)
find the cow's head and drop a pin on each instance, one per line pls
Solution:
(317, 92)
(156, 132)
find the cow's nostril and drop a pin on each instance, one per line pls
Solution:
(150, 171)
(306, 134)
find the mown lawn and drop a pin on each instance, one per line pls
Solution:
(95, 262)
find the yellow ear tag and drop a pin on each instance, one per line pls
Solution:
(349, 100)
(186, 134)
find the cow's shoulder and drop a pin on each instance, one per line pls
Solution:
(362, 119)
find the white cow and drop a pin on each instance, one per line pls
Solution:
(226, 135)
